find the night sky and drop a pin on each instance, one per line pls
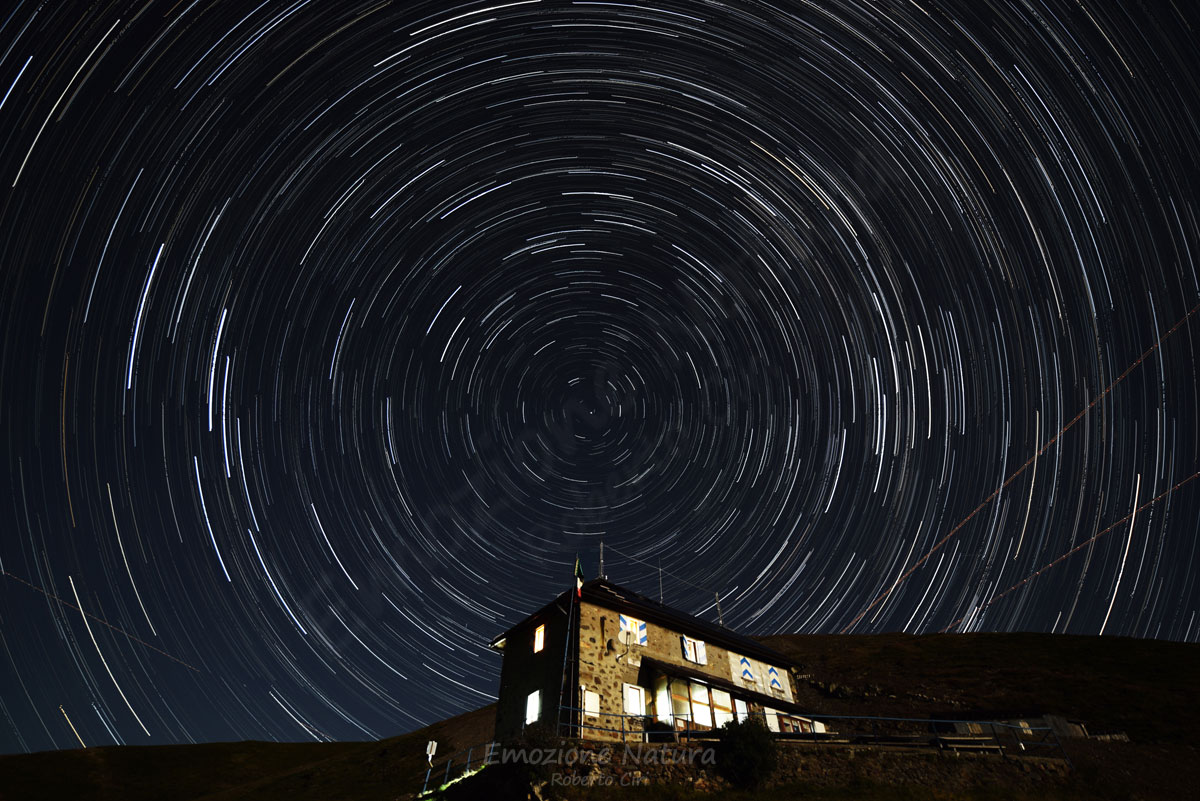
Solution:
(330, 333)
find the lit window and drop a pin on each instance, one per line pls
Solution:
(662, 700)
(722, 708)
(539, 638)
(701, 712)
(636, 629)
(680, 703)
(635, 700)
(693, 650)
(772, 719)
(533, 707)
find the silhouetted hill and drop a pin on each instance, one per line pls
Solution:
(1147, 688)
(381, 770)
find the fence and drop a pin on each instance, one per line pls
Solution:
(465, 760)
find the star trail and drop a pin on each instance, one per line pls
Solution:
(330, 333)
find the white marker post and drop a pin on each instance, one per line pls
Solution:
(430, 750)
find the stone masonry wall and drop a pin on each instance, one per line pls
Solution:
(606, 671)
(604, 764)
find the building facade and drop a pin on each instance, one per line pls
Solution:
(606, 663)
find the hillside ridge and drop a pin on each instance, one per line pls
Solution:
(1145, 688)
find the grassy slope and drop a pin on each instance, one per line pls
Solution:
(286, 771)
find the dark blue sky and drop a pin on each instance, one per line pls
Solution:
(330, 333)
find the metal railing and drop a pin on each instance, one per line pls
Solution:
(1003, 738)
(625, 727)
(986, 736)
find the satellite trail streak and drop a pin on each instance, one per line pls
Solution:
(1076, 549)
(101, 621)
(1020, 470)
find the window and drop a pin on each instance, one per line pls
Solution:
(693, 650)
(539, 638)
(591, 703)
(772, 719)
(636, 629)
(722, 707)
(701, 712)
(662, 700)
(635, 700)
(793, 724)
(533, 707)
(743, 711)
(680, 703)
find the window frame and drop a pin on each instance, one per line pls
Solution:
(771, 718)
(722, 710)
(591, 703)
(539, 638)
(641, 693)
(702, 711)
(635, 626)
(663, 708)
(694, 650)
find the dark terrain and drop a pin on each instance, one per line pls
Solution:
(1149, 690)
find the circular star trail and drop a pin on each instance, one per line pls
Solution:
(332, 332)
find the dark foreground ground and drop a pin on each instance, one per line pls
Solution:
(1149, 690)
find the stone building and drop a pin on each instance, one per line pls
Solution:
(605, 663)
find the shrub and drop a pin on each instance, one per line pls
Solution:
(747, 753)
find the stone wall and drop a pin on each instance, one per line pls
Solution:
(601, 764)
(946, 770)
(604, 669)
(604, 764)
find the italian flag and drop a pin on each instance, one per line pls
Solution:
(578, 579)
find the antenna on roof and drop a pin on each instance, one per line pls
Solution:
(602, 560)
(716, 595)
